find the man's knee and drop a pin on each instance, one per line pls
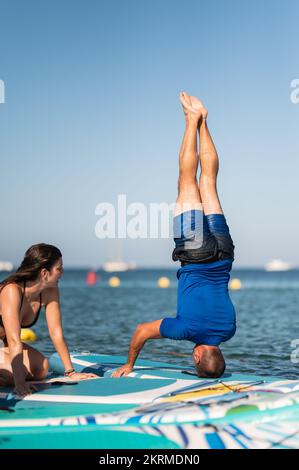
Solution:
(208, 189)
(187, 184)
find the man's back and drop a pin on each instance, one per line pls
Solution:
(204, 302)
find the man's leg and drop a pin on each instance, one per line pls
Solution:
(188, 191)
(209, 169)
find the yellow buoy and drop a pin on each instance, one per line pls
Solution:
(163, 282)
(114, 281)
(28, 335)
(235, 284)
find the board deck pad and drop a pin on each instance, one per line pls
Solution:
(158, 403)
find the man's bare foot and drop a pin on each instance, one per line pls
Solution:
(196, 103)
(193, 107)
(189, 110)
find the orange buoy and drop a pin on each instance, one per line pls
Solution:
(235, 284)
(114, 281)
(163, 282)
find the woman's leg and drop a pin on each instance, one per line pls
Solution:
(37, 365)
(188, 192)
(209, 169)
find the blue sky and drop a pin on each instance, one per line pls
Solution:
(91, 111)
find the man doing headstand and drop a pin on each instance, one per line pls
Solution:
(203, 245)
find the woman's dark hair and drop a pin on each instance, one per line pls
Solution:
(36, 258)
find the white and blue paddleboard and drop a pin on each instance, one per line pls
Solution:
(159, 405)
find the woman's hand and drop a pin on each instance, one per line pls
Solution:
(24, 388)
(123, 370)
(82, 376)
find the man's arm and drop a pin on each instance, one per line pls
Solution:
(143, 332)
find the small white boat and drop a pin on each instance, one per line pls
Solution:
(6, 266)
(118, 266)
(278, 265)
(116, 263)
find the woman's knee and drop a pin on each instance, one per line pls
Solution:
(35, 362)
(40, 370)
(6, 375)
(6, 378)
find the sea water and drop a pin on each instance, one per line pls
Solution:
(101, 319)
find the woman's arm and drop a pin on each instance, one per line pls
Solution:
(53, 317)
(143, 332)
(10, 306)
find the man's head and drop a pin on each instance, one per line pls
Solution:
(208, 360)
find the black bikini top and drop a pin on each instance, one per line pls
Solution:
(36, 316)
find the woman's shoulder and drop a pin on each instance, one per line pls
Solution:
(11, 291)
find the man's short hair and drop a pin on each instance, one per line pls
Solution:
(212, 363)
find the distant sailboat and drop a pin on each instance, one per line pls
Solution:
(117, 264)
(6, 266)
(278, 265)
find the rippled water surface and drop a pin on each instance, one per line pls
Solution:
(102, 319)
